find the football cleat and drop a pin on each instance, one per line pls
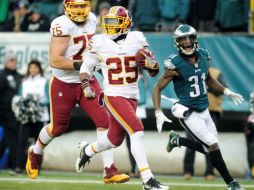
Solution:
(234, 185)
(114, 176)
(153, 184)
(173, 140)
(33, 163)
(83, 158)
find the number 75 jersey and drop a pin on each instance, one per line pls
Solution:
(79, 38)
(190, 86)
(117, 62)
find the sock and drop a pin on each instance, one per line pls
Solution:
(107, 155)
(43, 140)
(138, 152)
(192, 144)
(219, 164)
(102, 144)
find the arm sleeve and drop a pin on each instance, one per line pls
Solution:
(91, 60)
(222, 80)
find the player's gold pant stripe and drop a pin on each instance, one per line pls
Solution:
(93, 148)
(117, 116)
(51, 112)
(143, 169)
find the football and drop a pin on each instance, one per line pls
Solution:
(140, 58)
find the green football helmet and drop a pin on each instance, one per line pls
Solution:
(186, 39)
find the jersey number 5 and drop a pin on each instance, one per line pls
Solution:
(116, 75)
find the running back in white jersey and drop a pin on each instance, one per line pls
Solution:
(117, 61)
(80, 35)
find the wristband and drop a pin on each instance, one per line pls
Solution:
(84, 83)
(77, 65)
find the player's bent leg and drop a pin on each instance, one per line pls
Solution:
(33, 163)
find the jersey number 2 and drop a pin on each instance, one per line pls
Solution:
(116, 74)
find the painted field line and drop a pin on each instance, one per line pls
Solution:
(15, 179)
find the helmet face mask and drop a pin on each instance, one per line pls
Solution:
(186, 39)
(118, 21)
(77, 10)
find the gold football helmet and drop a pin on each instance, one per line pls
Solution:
(118, 21)
(77, 10)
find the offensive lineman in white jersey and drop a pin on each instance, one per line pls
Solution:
(70, 34)
(115, 53)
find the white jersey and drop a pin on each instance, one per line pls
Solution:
(117, 61)
(80, 35)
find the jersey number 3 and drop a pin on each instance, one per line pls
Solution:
(196, 85)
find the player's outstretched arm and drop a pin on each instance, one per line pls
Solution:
(218, 87)
(163, 81)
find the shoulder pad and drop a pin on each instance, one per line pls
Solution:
(168, 64)
(139, 37)
(204, 52)
(92, 17)
(62, 26)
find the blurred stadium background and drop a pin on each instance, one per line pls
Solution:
(225, 27)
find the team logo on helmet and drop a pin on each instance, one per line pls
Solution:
(118, 21)
(185, 38)
(77, 10)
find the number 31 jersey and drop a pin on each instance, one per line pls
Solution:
(117, 62)
(79, 38)
(190, 86)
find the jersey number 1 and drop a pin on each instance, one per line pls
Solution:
(195, 84)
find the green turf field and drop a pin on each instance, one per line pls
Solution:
(71, 181)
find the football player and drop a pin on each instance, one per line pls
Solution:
(189, 72)
(114, 52)
(70, 34)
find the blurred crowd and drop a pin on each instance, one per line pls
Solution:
(148, 15)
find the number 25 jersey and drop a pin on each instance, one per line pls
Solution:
(117, 62)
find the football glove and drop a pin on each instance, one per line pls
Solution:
(160, 119)
(150, 62)
(237, 98)
(88, 90)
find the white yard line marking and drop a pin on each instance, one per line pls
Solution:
(11, 179)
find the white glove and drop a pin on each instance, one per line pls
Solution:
(237, 98)
(160, 119)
